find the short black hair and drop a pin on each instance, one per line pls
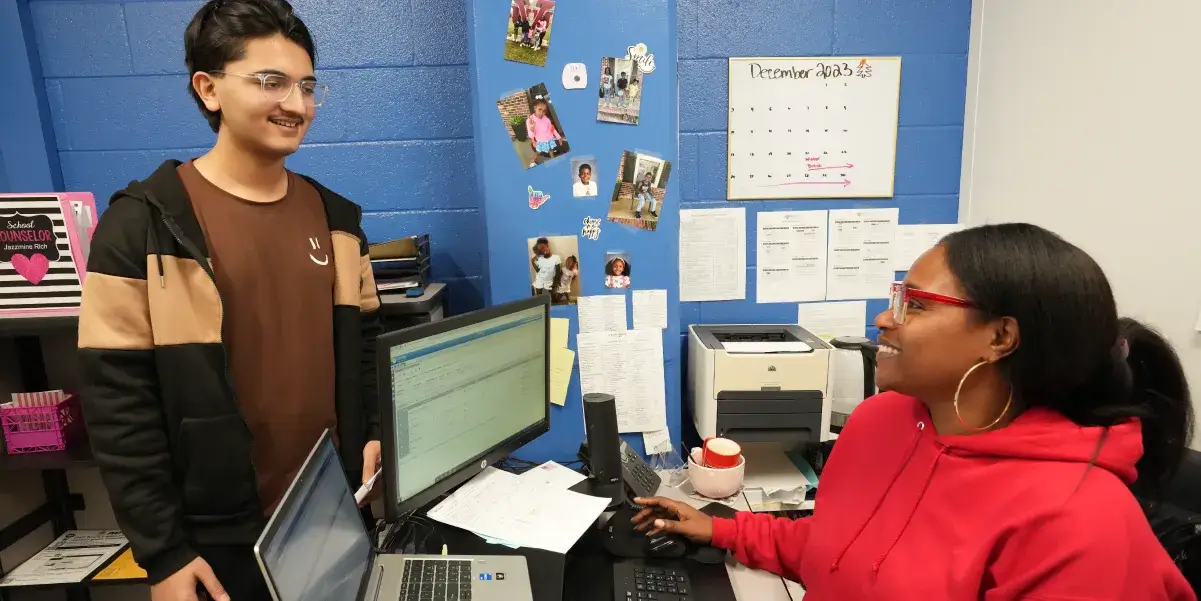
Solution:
(540, 242)
(1076, 356)
(584, 166)
(219, 31)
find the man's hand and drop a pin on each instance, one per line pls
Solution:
(665, 515)
(373, 458)
(181, 586)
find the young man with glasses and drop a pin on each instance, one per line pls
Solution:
(228, 317)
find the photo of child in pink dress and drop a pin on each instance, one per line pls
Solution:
(533, 126)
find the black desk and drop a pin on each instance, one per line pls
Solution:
(584, 574)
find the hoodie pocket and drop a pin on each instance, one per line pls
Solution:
(219, 478)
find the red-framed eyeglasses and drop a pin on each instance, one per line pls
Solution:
(900, 295)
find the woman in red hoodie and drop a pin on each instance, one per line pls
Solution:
(1021, 416)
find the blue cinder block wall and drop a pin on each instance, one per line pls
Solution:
(931, 36)
(394, 135)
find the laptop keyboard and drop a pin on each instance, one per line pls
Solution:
(436, 580)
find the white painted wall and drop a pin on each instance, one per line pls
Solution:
(1084, 117)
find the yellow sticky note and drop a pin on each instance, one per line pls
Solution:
(561, 362)
(122, 568)
(558, 332)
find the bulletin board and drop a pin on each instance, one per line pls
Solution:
(814, 127)
(623, 132)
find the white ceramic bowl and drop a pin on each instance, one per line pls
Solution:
(715, 483)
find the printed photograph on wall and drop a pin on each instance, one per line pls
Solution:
(528, 38)
(638, 195)
(533, 126)
(555, 268)
(583, 177)
(617, 269)
(620, 93)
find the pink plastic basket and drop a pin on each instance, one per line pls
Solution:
(40, 428)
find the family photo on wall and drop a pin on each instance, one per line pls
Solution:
(639, 192)
(620, 94)
(555, 268)
(533, 126)
(528, 37)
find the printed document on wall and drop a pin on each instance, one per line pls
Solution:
(791, 266)
(650, 309)
(861, 244)
(831, 320)
(712, 254)
(606, 312)
(629, 366)
(913, 240)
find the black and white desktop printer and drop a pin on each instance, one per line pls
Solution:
(759, 383)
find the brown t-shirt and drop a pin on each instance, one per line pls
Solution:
(274, 267)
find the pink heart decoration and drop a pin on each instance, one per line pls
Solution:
(537, 198)
(32, 268)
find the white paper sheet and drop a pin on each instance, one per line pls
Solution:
(554, 475)
(766, 347)
(913, 240)
(629, 366)
(712, 254)
(602, 313)
(831, 320)
(657, 441)
(791, 262)
(503, 507)
(860, 263)
(650, 309)
(69, 559)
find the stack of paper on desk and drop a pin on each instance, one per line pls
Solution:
(519, 511)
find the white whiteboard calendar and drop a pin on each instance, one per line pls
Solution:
(816, 127)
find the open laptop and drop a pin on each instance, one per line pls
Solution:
(316, 548)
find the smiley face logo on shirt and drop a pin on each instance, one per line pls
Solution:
(316, 247)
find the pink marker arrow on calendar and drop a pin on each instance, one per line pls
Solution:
(844, 183)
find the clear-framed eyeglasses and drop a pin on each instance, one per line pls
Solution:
(901, 295)
(278, 88)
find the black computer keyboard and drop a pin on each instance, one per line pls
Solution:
(436, 580)
(635, 581)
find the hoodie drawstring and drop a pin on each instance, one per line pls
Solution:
(152, 238)
(912, 510)
(917, 437)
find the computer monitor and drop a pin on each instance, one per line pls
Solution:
(460, 394)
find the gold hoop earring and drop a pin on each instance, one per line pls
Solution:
(960, 389)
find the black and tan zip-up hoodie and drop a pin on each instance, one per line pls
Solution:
(155, 366)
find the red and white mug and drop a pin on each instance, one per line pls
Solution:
(720, 453)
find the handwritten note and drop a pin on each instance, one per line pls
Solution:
(602, 313)
(562, 359)
(559, 326)
(650, 309)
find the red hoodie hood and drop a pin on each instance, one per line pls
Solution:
(1042, 434)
